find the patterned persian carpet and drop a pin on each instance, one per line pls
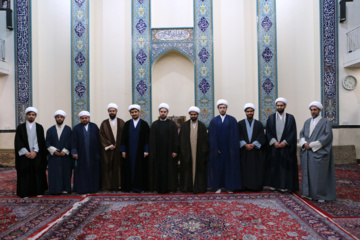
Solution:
(20, 218)
(208, 216)
(112, 215)
(7, 182)
(345, 211)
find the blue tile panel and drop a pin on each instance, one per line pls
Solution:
(80, 80)
(329, 60)
(204, 59)
(267, 58)
(141, 45)
(23, 65)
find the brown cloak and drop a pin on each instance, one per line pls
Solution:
(186, 159)
(111, 160)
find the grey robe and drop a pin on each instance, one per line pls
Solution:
(318, 171)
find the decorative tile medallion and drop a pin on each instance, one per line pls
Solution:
(329, 60)
(267, 54)
(196, 43)
(79, 58)
(23, 87)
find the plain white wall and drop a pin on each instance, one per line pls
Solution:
(51, 44)
(298, 48)
(110, 58)
(172, 83)
(235, 53)
(172, 14)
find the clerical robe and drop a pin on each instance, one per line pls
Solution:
(282, 170)
(135, 142)
(31, 173)
(86, 144)
(111, 160)
(317, 164)
(253, 162)
(194, 152)
(59, 168)
(224, 158)
(163, 168)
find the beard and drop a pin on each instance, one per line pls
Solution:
(112, 116)
(315, 115)
(59, 122)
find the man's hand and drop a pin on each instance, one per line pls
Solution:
(33, 155)
(57, 153)
(123, 154)
(146, 154)
(277, 145)
(307, 146)
(282, 144)
(75, 156)
(112, 147)
(174, 155)
(62, 154)
(249, 146)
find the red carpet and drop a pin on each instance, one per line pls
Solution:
(20, 218)
(248, 216)
(208, 216)
(7, 182)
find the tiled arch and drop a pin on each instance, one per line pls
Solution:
(196, 43)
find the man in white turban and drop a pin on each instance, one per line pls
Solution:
(135, 150)
(282, 172)
(111, 130)
(85, 148)
(58, 139)
(252, 150)
(30, 160)
(317, 159)
(194, 151)
(224, 157)
(164, 148)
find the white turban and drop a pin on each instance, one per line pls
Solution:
(281, 99)
(194, 109)
(134, 106)
(164, 105)
(112, 105)
(316, 104)
(60, 112)
(222, 101)
(31, 109)
(249, 105)
(84, 113)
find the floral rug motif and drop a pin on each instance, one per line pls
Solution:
(240, 216)
(349, 224)
(20, 218)
(8, 181)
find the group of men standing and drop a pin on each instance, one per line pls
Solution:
(130, 156)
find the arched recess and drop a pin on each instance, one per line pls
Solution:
(172, 82)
